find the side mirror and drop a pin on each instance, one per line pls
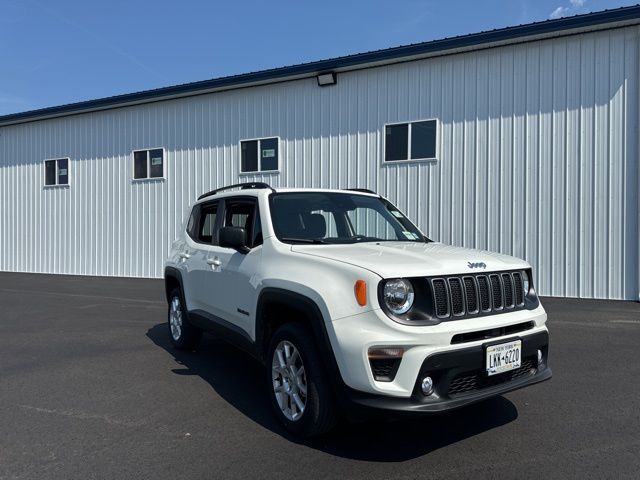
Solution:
(234, 237)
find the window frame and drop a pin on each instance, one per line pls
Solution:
(256, 206)
(56, 160)
(410, 123)
(259, 140)
(195, 235)
(148, 178)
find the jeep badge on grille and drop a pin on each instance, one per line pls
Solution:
(477, 265)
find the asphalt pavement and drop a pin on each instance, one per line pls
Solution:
(91, 388)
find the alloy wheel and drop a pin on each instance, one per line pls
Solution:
(175, 318)
(289, 380)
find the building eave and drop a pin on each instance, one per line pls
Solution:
(604, 20)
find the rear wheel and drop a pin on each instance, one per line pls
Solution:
(300, 393)
(184, 336)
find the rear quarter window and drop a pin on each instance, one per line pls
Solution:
(193, 221)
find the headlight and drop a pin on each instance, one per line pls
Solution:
(398, 295)
(525, 284)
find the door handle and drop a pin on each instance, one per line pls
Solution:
(184, 255)
(214, 262)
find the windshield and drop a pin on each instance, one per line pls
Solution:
(328, 217)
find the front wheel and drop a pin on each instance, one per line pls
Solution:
(184, 336)
(299, 389)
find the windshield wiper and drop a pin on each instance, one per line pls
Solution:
(364, 238)
(315, 241)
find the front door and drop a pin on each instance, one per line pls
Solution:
(237, 302)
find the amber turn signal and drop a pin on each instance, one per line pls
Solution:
(360, 291)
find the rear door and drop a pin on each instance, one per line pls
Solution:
(204, 282)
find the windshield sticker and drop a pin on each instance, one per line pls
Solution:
(397, 214)
(409, 235)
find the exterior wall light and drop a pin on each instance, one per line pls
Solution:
(325, 79)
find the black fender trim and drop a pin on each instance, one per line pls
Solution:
(175, 274)
(315, 320)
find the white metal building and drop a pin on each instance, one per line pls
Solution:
(522, 140)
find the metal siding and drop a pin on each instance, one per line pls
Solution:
(537, 157)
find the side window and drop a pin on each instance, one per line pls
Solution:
(192, 222)
(411, 141)
(260, 155)
(56, 172)
(242, 213)
(148, 164)
(207, 223)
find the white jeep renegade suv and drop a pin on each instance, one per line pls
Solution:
(348, 304)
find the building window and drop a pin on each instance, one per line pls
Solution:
(56, 172)
(148, 164)
(259, 155)
(410, 141)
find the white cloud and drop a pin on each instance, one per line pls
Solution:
(559, 12)
(574, 8)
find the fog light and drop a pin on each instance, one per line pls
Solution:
(377, 353)
(427, 386)
(539, 357)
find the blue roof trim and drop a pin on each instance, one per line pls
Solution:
(396, 53)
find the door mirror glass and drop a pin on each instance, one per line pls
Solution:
(234, 237)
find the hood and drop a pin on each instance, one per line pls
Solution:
(412, 259)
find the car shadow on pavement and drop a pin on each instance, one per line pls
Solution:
(240, 380)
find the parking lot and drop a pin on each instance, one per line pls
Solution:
(91, 388)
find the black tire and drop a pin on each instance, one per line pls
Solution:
(319, 414)
(188, 337)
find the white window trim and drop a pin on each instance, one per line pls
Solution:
(259, 140)
(409, 159)
(148, 178)
(57, 185)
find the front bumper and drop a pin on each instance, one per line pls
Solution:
(458, 381)
(352, 337)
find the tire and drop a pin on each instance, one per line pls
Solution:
(184, 336)
(319, 413)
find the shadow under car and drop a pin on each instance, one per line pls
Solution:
(241, 381)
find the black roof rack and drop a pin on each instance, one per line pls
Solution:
(361, 190)
(242, 186)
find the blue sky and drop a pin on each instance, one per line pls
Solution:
(54, 52)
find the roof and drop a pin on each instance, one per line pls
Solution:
(520, 33)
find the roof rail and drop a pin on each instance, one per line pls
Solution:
(242, 186)
(361, 190)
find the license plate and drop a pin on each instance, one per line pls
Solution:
(503, 357)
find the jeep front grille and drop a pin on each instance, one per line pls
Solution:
(457, 297)
(441, 297)
(477, 294)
